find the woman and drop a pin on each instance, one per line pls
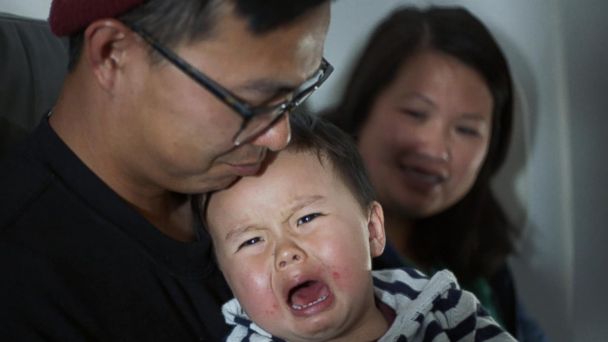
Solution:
(430, 103)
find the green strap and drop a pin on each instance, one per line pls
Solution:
(482, 290)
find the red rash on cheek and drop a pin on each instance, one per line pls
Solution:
(342, 276)
(273, 309)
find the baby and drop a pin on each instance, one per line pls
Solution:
(295, 245)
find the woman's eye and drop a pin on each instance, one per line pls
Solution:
(414, 114)
(250, 242)
(307, 218)
(468, 131)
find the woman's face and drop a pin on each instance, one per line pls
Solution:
(427, 135)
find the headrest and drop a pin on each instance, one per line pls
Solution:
(33, 64)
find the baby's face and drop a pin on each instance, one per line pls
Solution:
(296, 247)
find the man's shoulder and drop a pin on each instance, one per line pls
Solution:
(23, 179)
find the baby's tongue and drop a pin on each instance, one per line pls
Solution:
(308, 293)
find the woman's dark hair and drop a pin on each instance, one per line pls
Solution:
(474, 236)
(173, 22)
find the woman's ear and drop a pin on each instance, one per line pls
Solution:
(375, 226)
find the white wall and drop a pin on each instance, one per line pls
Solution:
(554, 183)
(29, 8)
(584, 31)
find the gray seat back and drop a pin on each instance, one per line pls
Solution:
(33, 64)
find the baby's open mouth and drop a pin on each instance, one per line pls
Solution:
(307, 294)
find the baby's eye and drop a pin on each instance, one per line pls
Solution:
(307, 218)
(250, 242)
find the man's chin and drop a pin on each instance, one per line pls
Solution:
(194, 187)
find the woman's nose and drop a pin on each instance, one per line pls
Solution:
(434, 142)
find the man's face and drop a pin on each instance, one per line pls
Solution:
(294, 245)
(178, 136)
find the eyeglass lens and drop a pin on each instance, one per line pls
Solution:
(263, 120)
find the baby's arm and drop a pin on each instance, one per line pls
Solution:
(462, 318)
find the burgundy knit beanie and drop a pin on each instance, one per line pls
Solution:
(70, 16)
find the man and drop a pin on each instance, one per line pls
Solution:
(164, 99)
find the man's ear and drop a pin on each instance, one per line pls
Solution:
(375, 226)
(105, 42)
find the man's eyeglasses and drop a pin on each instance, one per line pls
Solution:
(256, 119)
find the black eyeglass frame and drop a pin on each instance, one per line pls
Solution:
(241, 107)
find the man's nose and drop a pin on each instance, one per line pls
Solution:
(275, 137)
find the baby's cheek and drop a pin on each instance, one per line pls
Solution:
(257, 296)
(272, 311)
(348, 275)
(343, 277)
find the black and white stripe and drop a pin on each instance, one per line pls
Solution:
(433, 310)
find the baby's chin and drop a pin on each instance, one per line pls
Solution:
(307, 314)
(321, 332)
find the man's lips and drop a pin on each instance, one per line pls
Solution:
(246, 163)
(247, 169)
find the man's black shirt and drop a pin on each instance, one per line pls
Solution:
(78, 263)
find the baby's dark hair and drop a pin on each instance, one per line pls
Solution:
(317, 135)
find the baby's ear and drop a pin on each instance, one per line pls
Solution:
(375, 226)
